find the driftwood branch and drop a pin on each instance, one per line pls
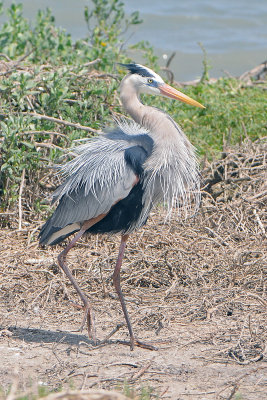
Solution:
(252, 77)
(256, 73)
(167, 69)
(61, 121)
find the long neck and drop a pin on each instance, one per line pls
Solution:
(172, 164)
(131, 102)
(155, 121)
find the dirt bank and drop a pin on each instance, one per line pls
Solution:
(197, 290)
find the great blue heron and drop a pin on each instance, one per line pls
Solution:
(117, 177)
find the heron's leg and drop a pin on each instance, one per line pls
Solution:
(117, 285)
(62, 263)
(116, 281)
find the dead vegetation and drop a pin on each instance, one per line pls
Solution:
(196, 289)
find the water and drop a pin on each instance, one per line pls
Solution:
(233, 32)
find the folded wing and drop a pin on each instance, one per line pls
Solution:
(103, 173)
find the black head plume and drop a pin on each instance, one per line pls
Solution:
(137, 69)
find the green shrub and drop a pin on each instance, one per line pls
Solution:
(49, 74)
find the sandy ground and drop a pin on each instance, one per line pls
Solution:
(196, 290)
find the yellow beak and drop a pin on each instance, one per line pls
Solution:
(169, 91)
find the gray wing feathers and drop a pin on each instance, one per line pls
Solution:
(96, 179)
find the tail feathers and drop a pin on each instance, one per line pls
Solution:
(52, 235)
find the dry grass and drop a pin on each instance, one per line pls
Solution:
(207, 271)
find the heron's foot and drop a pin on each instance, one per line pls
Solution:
(135, 342)
(138, 343)
(88, 318)
(76, 305)
(105, 340)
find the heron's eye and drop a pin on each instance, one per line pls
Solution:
(150, 80)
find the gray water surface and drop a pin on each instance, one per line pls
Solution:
(233, 32)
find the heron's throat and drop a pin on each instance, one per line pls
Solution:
(132, 104)
(152, 119)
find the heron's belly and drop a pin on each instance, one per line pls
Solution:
(123, 216)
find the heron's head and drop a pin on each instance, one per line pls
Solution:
(145, 80)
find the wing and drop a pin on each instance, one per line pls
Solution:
(104, 171)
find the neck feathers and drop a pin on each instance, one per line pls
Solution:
(171, 171)
(155, 121)
(130, 100)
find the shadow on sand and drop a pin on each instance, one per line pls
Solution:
(33, 335)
